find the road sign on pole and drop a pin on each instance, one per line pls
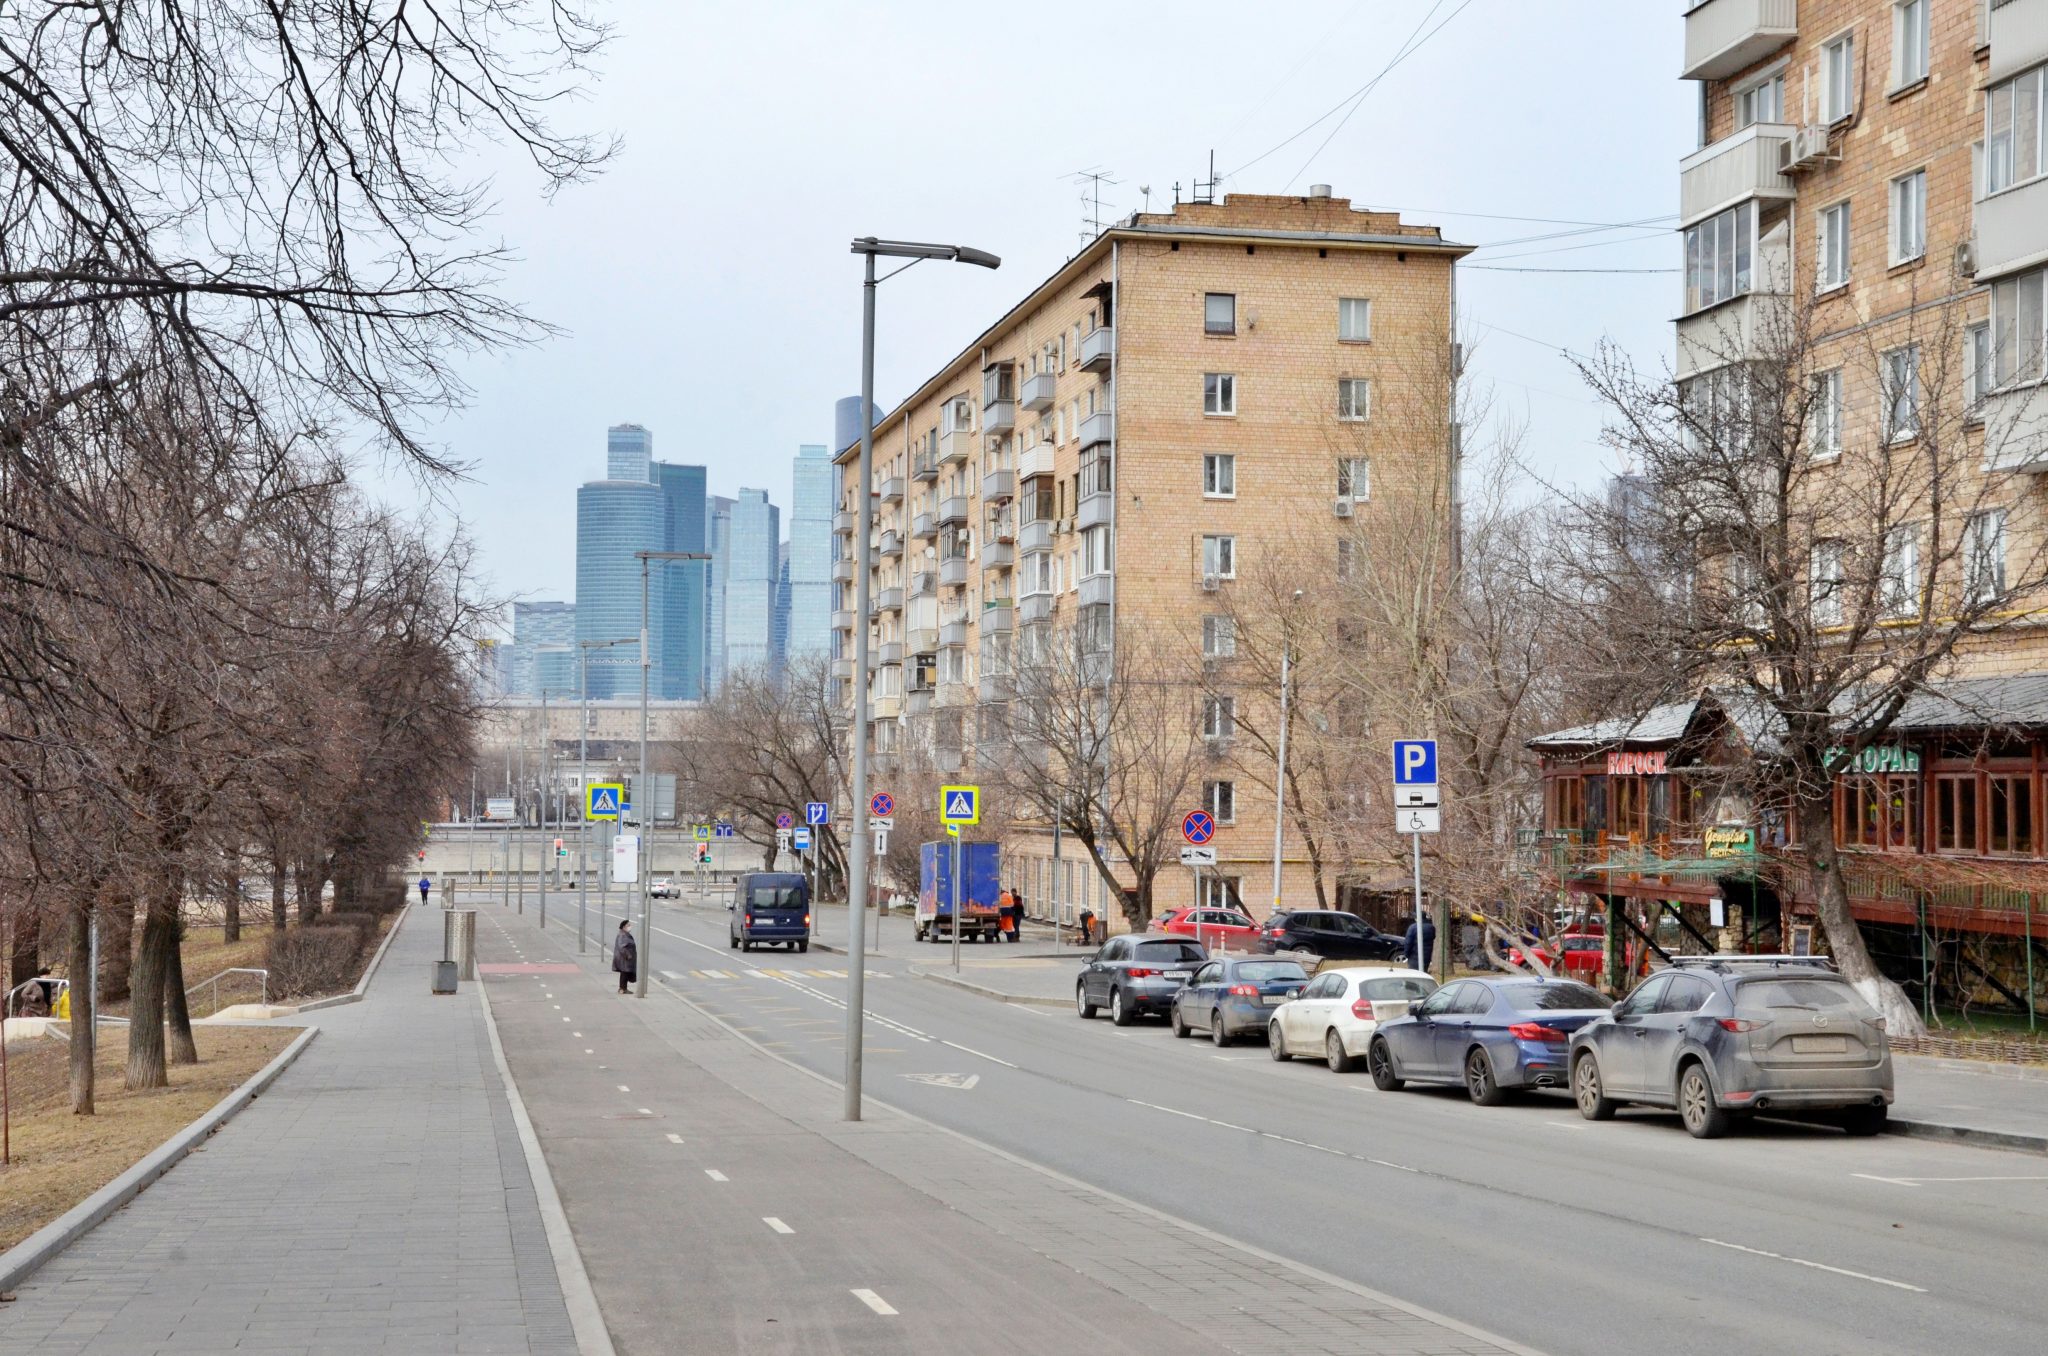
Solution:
(881, 805)
(1198, 827)
(702, 832)
(803, 839)
(1197, 856)
(784, 820)
(959, 805)
(817, 812)
(1429, 820)
(1415, 762)
(603, 800)
(723, 829)
(881, 839)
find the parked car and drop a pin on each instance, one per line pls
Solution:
(1211, 927)
(1335, 1016)
(1720, 1037)
(661, 887)
(770, 907)
(1491, 1035)
(1232, 997)
(1330, 934)
(1584, 953)
(1136, 975)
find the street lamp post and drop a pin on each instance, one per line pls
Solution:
(1280, 774)
(864, 510)
(583, 782)
(646, 824)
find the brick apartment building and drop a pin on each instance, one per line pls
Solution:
(1889, 159)
(1107, 459)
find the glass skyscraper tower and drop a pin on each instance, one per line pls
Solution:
(614, 519)
(810, 552)
(682, 653)
(750, 584)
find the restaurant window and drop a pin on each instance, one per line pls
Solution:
(2012, 814)
(1629, 806)
(1567, 803)
(1955, 812)
(1880, 812)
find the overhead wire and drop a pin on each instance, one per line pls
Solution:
(1408, 49)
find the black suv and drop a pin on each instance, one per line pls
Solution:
(1330, 934)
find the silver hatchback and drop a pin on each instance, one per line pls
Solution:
(1719, 1037)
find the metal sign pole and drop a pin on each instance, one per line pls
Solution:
(956, 900)
(1416, 839)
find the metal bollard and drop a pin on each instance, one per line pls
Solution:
(458, 940)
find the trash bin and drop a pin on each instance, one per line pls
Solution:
(444, 976)
(458, 940)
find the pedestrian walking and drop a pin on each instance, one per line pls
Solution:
(425, 886)
(1420, 939)
(1006, 909)
(626, 954)
(1087, 927)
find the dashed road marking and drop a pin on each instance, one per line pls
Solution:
(1919, 1181)
(1817, 1266)
(624, 1088)
(874, 1301)
(777, 1225)
(978, 1054)
(675, 1138)
(715, 1175)
(644, 1111)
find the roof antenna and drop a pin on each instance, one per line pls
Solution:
(1205, 189)
(1091, 199)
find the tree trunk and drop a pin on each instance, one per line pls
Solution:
(280, 909)
(231, 918)
(1845, 939)
(24, 945)
(183, 1049)
(117, 945)
(84, 1031)
(146, 1064)
(309, 892)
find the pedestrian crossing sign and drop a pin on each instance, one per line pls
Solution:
(703, 833)
(601, 800)
(960, 805)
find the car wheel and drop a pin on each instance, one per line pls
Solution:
(733, 942)
(1181, 1030)
(1216, 1031)
(1479, 1079)
(803, 946)
(1380, 1060)
(1120, 1012)
(1696, 1107)
(1587, 1092)
(1864, 1120)
(1081, 1003)
(1276, 1042)
(1334, 1053)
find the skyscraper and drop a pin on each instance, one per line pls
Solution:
(629, 453)
(718, 541)
(682, 659)
(615, 518)
(534, 625)
(808, 605)
(781, 627)
(750, 582)
(846, 421)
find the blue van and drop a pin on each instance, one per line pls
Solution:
(771, 906)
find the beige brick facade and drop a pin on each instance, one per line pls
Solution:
(1119, 343)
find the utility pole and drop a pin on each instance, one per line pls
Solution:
(547, 746)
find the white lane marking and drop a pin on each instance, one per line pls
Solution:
(670, 974)
(777, 1225)
(675, 1138)
(1566, 1125)
(1817, 1266)
(565, 1019)
(644, 1111)
(874, 1301)
(590, 1052)
(979, 1054)
(624, 1088)
(558, 1007)
(1191, 1116)
(577, 1034)
(715, 1175)
(1917, 1181)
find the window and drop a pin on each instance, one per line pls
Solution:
(1219, 475)
(1095, 556)
(1827, 583)
(1879, 812)
(1976, 367)
(1955, 812)
(1909, 217)
(953, 664)
(1219, 637)
(1037, 573)
(1901, 581)
(1910, 39)
(1833, 254)
(1219, 393)
(1827, 414)
(1838, 79)
(2015, 137)
(1984, 556)
(1222, 892)
(1219, 313)
(1717, 257)
(2011, 802)
(1354, 478)
(1354, 398)
(1902, 393)
(1219, 557)
(1092, 628)
(1567, 803)
(2017, 334)
(1097, 475)
(1219, 717)
(1221, 800)
(1354, 320)
(1347, 555)
(1764, 102)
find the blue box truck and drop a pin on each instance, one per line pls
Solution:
(980, 914)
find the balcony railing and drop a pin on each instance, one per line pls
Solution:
(952, 632)
(1094, 510)
(953, 572)
(843, 521)
(1734, 169)
(999, 486)
(1000, 417)
(1037, 395)
(954, 444)
(1097, 428)
(889, 599)
(1035, 461)
(842, 571)
(953, 510)
(1034, 607)
(892, 489)
(889, 652)
(1097, 588)
(996, 555)
(998, 617)
(923, 584)
(925, 466)
(1035, 535)
(1724, 36)
(842, 619)
(2016, 31)
(1098, 349)
(923, 525)
(892, 545)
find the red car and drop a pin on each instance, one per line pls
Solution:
(1213, 927)
(1584, 954)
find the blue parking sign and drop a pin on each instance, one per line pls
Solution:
(1415, 762)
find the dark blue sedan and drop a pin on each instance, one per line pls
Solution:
(1492, 1035)
(1232, 997)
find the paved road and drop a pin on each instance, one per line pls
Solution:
(1523, 1220)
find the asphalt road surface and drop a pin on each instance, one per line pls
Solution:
(1522, 1219)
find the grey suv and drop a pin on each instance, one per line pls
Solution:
(1719, 1037)
(1137, 974)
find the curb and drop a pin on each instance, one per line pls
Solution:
(987, 992)
(21, 1260)
(1963, 1134)
(369, 972)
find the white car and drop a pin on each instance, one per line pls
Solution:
(664, 888)
(1335, 1016)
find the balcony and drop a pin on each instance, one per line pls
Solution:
(953, 511)
(892, 545)
(917, 701)
(1746, 327)
(2016, 430)
(843, 667)
(889, 599)
(889, 652)
(1723, 36)
(2017, 33)
(842, 620)
(922, 525)
(952, 632)
(892, 490)
(997, 555)
(923, 584)
(924, 466)
(999, 487)
(843, 522)
(1035, 536)
(921, 639)
(1034, 607)
(1098, 350)
(842, 571)
(949, 761)
(1734, 169)
(998, 617)
(999, 417)
(1094, 510)
(885, 708)
(1097, 588)
(1098, 429)
(1036, 462)
(953, 573)
(954, 444)
(1037, 395)
(2011, 233)
(995, 687)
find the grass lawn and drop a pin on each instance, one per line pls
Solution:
(59, 1159)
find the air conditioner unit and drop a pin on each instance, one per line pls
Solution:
(1061, 527)
(1966, 259)
(1804, 149)
(1211, 583)
(1342, 506)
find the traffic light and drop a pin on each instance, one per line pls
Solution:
(703, 854)
(423, 856)
(560, 851)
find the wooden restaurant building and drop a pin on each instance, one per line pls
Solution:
(1651, 823)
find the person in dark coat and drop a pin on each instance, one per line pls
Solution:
(1421, 942)
(625, 954)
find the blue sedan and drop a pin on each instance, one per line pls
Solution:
(1492, 1035)
(1234, 996)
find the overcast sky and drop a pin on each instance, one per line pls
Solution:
(704, 288)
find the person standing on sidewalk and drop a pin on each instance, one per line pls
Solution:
(425, 886)
(626, 954)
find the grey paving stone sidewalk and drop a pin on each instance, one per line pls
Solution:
(374, 1200)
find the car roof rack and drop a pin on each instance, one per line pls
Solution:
(1722, 962)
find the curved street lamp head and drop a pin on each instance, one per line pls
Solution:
(916, 249)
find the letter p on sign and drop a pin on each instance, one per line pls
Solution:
(1414, 762)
